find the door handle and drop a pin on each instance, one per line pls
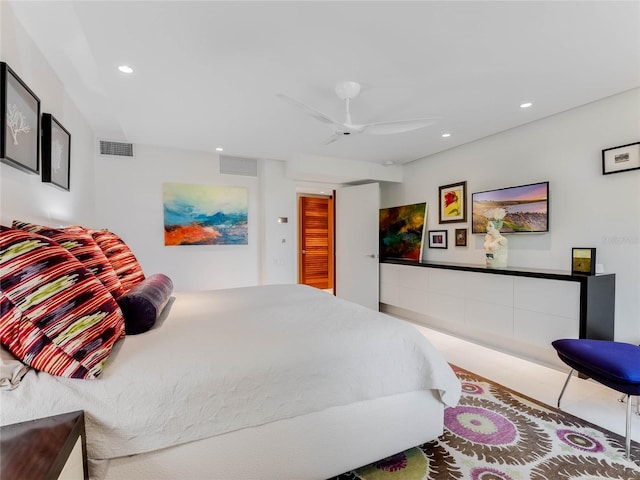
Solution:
(303, 252)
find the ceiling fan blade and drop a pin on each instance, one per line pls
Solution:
(310, 110)
(335, 137)
(399, 126)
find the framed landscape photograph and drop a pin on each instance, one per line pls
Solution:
(621, 159)
(437, 239)
(56, 152)
(453, 203)
(526, 208)
(19, 122)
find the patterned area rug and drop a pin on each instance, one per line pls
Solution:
(498, 434)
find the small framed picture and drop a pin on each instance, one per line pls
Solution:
(461, 237)
(19, 122)
(453, 203)
(56, 152)
(621, 159)
(437, 239)
(583, 261)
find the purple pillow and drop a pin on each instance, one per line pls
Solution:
(142, 305)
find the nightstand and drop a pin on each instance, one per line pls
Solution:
(47, 448)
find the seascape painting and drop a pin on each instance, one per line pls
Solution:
(526, 208)
(204, 214)
(402, 231)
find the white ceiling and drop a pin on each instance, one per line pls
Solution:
(206, 73)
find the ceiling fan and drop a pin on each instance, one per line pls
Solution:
(348, 90)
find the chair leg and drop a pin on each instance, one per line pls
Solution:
(565, 386)
(623, 397)
(627, 443)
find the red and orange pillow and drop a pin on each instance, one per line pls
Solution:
(82, 246)
(55, 315)
(120, 256)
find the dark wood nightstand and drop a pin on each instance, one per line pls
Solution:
(47, 448)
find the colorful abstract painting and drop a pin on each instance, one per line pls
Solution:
(402, 231)
(204, 214)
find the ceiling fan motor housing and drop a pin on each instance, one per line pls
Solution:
(347, 89)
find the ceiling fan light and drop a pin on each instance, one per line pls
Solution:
(347, 89)
(446, 135)
(526, 105)
(125, 69)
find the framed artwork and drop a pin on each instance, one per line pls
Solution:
(19, 122)
(205, 214)
(461, 237)
(56, 152)
(521, 209)
(402, 231)
(437, 239)
(621, 159)
(453, 203)
(583, 261)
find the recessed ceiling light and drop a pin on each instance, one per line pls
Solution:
(446, 135)
(219, 149)
(125, 69)
(526, 105)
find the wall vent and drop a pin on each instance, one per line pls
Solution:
(116, 148)
(238, 166)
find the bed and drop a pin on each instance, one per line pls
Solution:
(279, 381)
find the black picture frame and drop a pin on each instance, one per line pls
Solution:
(437, 238)
(583, 261)
(530, 194)
(461, 237)
(19, 122)
(56, 153)
(621, 159)
(458, 193)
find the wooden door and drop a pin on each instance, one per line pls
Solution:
(315, 256)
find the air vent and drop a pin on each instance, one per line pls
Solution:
(116, 148)
(238, 166)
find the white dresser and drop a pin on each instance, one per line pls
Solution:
(516, 310)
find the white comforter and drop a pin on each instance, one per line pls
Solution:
(223, 360)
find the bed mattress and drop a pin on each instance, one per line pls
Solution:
(225, 360)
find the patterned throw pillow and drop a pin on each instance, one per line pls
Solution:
(121, 257)
(55, 315)
(84, 248)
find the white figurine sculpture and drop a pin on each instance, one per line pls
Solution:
(495, 245)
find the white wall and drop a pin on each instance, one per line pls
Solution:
(587, 209)
(129, 202)
(23, 195)
(278, 240)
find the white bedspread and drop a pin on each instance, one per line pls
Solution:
(223, 360)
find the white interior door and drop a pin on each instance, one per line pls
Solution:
(357, 225)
